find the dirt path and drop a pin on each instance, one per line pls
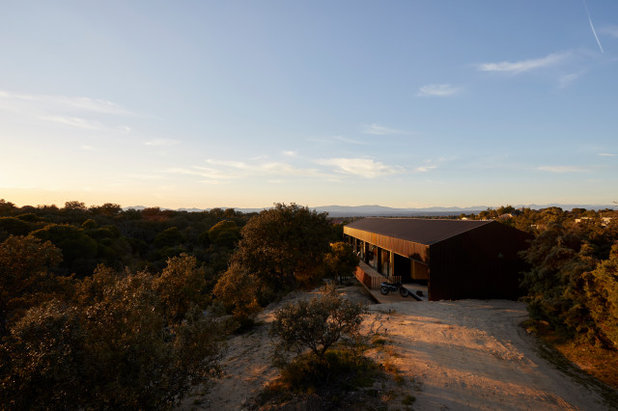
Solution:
(472, 354)
(466, 354)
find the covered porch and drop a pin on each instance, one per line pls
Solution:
(371, 280)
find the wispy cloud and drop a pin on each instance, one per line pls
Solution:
(63, 103)
(349, 140)
(219, 171)
(424, 169)
(607, 154)
(207, 174)
(611, 31)
(379, 130)
(594, 32)
(566, 80)
(290, 153)
(362, 167)
(437, 90)
(161, 142)
(562, 169)
(77, 122)
(522, 66)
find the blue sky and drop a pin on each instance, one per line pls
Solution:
(247, 103)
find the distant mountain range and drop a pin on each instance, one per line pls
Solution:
(382, 211)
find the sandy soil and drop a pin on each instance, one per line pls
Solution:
(467, 354)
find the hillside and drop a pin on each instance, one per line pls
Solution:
(467, 354)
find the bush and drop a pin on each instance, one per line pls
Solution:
(317, 324)
(237, 291)
(341, 261)
(342, 368)
(332, 368)
(121, 340)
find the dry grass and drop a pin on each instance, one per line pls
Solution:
(580, 360)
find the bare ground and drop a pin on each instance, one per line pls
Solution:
(467, 354)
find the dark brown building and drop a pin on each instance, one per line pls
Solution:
(456, 259)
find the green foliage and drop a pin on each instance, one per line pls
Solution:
(25, 263)
(42, 361)
(317, 324)
(285, 245)
(334, 366)
(280, 249)
(342, 368)
(119, 340)
(601, 295)
(237, 290)
(225, 233)
(168, 237)
(78, 249)
(135, 238)
(341, 261)
(181, 285)
(13, 226)
(570, 282)
(6, 206)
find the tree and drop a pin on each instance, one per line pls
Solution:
(107, 209)
(285, 245)
(13, 226)
(111, 344)
(24, 268)
(341, 261)
(180, 286)
(570, 280)
(316, 324)
(280, 248)
(42, 363)
(225, 233)
(238, 291)
(601, 296)
(78, 249)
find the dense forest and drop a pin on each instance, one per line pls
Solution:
(572, 276)
(102, 307)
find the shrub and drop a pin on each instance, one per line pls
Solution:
(317, 324)
(114, 343)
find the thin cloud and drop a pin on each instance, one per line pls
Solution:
(76, 122)
(607, 154)
(208, 175)
(238, 169)
(437, 90)
(594, 32)
(566, 80)
(290, 153)
(379, 130)
(562, 169)
(161, 142)
(62, 103)
(349, 140)
(424, 169)
(362, 167)
(522, 66)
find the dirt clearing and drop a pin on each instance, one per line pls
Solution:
(467, 354)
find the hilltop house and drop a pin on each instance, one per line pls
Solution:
(456, 259)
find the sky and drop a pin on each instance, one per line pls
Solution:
(249, 103)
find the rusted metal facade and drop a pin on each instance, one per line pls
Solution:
(477, 260)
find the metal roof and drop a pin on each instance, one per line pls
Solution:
(418, 230)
